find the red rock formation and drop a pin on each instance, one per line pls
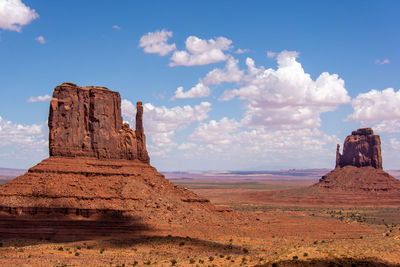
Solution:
(361, 148)
(87, 121)
(98, 168)
(359, 170)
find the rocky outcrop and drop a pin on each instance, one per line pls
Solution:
(87, 121)
(362, 148)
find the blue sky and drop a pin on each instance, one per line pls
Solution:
(227, 85)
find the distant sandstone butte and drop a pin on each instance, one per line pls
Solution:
(87, 121)
(98, 170)
(361, 148)
(359, 169)
(357, 180)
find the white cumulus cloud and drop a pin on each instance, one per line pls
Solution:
(201, 52)
(287, 97)
(228, 140)
(216, 132)
(156, 42)
(231, 73)
(198, 91)
(381, 108)
(40, 98)
(14, 14)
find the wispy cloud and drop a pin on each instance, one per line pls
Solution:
(382, 62)
(271, 54)
(40, 98)
(116, 27)
(241, 51)
(41, 39)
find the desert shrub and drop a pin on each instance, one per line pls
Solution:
(192, 261)
(78, 247)
(274, 264)
(102, 250)
(147, 262)
(221, 256)
(77, 254)
(1, 244)
(295, 257)
(305, 254)
(60, 248)
(228, 258)
(173, 262)
(181, 244)
(211, 258)
(315, 242)
(135, 263)
(245, 250)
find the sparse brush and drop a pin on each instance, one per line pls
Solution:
(60, 248)
(211, 258)
(192, 261)
(173, 262)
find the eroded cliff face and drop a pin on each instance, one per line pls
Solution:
(87, 121)
(362, 148)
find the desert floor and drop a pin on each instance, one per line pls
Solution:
(291, 235)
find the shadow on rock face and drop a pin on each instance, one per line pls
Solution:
(336, 262)
(70, 227)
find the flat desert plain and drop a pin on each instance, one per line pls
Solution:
(297, 235)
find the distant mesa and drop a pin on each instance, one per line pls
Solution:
(98, 170)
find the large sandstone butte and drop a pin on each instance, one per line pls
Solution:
(357, 180)
(98, 179)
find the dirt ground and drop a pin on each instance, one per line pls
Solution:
(284, 236)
